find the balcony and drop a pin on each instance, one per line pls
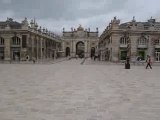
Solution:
(157, 46)
(142, 46)
(1, 45)
(123, 45)
(15, 45)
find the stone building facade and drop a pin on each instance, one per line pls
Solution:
(139, 38)
(27, 41)
(79, 42)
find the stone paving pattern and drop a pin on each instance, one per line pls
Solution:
(70, 91)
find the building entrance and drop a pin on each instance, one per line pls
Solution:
(92, 52)
(157, 56)
(67, 51)
(1, 53)
(80, 48)
(15, 55)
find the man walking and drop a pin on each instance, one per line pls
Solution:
(148, 62)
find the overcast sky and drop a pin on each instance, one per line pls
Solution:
(56, 14)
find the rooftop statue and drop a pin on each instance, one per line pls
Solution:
(80, 28)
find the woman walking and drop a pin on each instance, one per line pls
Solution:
(149, 62)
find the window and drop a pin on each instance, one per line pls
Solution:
(157, 42)
(24, 41)
(1, 41)
(16, 40)
(157, 56)
(124, 40)
(142, 41)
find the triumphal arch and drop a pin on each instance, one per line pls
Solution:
(80, 42)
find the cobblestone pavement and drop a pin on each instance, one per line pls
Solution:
(70, 91)
(49, 61)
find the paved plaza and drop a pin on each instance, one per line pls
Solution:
(69, 90)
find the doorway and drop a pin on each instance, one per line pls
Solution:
(141, 54)
(123, 54)
(67, 51)
(1, 53)
(15, 55)
(80, 49)
(92, 52)
(157, 56)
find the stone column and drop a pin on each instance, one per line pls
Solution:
(21, 51)
(63, 49)
(47, 51)
(44, 48)
(37, 39)
(51, 49)
(134, 40)
(72, 48)
(86, 48)
(41, 39)
(55, 54)
(55, 51)
(32, 47)
(151, 48)
(89, 48)
(29, 46)
(115, 48)
(7, 49)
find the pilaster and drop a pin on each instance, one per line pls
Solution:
(7, 49)
(115, 49)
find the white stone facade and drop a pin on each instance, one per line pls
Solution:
(139, 38)
(87, 39)
(24, 41)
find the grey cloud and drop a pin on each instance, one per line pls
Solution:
(60, 9)
(56, 14)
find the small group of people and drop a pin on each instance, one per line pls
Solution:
(95, 57)
(28, 59)
(148, 61)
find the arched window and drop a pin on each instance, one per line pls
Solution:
(1, 41)
(124, 40)
(16, 40)
(157, 42)
(142, 41)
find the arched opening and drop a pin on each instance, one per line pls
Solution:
(16, 40)
(16, 48)
(142, 41)
(124, 40)
(80, 49)
(92, 52)
(67, 51)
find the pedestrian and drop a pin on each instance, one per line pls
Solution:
(149, 62)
